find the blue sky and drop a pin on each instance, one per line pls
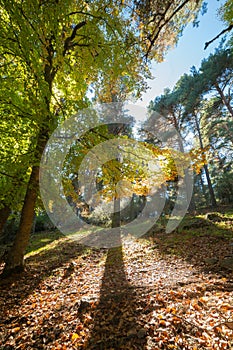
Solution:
(189, 52)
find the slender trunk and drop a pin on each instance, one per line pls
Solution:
(189, 197)
(224, 100)
(4, 214)
(132, 208)
(192, 205)
(116, 218)
(203, 188)
(15, 257)
(210, 187)
(209, 183)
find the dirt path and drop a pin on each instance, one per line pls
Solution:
(134, 297)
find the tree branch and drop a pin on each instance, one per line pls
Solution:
(68, 41)
(152, 41)
(8, 175)
(100, 18)
(216, 37)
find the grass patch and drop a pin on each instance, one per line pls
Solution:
(193, 230)
(189, 228)
(42, 240)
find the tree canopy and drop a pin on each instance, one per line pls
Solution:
(52, 53)
(201, 105)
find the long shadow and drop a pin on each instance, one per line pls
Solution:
(116, 323)
(38, 267)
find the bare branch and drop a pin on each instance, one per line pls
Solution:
(228, 29)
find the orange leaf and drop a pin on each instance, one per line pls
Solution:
(16, 329)
(196, 307)
(162, 322)
(75, 336)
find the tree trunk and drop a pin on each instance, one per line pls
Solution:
(116, 218)
(210, 187)
(224, 100)
(203, 188)
(132, 208)
(15, 258)
(4, 214)
(209, 183)
(192, 205)
(189, 197)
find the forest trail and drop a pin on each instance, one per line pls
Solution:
(155, 293)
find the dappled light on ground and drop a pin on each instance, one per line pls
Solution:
(159, 292)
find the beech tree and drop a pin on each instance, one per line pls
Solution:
(52, 51)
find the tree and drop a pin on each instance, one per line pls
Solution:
(43, 44)
(226, 15)
(217, 126)
(190, 90)
(202, 112)
(171, 106)
(216, 74)
(56, 50)
(162, 23)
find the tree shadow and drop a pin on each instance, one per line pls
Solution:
(115, 320)
(38, 267)
(116, 317)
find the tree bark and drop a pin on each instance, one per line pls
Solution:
(191, 200)
(192, 205)
(224, 100)
(209, 183)
(4, 214)
(210, 187)
(15, 257)
(203, 187)
(116, 217)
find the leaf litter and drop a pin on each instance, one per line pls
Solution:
(134, 297)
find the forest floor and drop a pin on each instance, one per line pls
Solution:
(162, 291)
